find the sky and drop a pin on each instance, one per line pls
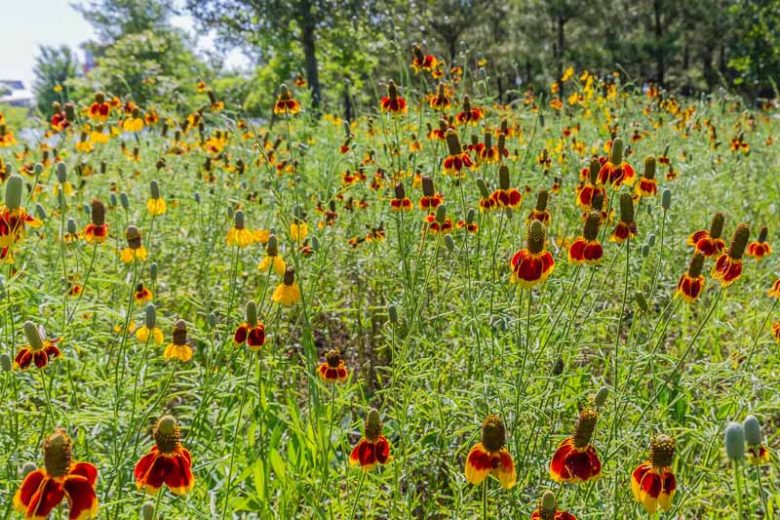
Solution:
(27, 24)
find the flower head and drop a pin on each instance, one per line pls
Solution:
(647, 186)
(586, 248)
(615, 171)
(251, 331)
(333, 369)
(373, 448)
(760, 248)
(626, 227)
(652, 483)
(43, 489)
(576, 459)
(691, 283)
(400, 202)
(548, 509)
(179, 348)
(167, 463)
(532, 264)
(135, 249)
(540, 211)
(506, 196)
(757, 452)
(490, 456)
(393, 103)
(96, 231)
(708, 242)
(287, 293)
(39, 350)
(728, 266)
(14, 219)
(286, 103)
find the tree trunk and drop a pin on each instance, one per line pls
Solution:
(561, 48)
(308, 26)
(659, 51)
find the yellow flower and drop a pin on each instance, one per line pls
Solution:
(567, 74)
(142, 334)
(156, 206)
(239, 237)
(298, 231)
(57, 88)
(133, 124)
(287, 293)
(275, 261)
(181, 352)
(130, 254)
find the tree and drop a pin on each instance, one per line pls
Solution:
(113, 19)
(53, 67)
(272, 24)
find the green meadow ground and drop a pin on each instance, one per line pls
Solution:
(269, 439)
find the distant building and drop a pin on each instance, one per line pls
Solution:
(12, 92)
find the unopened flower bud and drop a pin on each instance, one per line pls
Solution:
(38, 169)
(601, 397)
(441, 214)
(147, 511)
(5, 362)
(153, 271)
(735, 441)
(392, 312)
(154, 190)
(641, 301)
(449, 243)
(33, 335)
(666, 199)
(124, 200)
(40, 212)
(212, 319)
(28, 468)
(150, 316)
(251, 313)
(62, 172)
(13, 192)
(752, 430)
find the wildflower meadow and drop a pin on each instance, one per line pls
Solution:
(435, 306)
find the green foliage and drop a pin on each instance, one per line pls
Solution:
(53, 67)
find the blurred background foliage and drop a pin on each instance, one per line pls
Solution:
(343, 49)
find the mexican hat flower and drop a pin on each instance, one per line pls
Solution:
(155, 204)
(272, 259)
(96, 231)
(39, 350)
(286, 103)
(589, 187)
(760, 248)
(776, 331)
(333, 369)
(652, 482)
(468, 114)
(135, 249)
(438, 223)
(457, 161)
(648, 186)
(440, 100)
(149, 329)
(430, 200)
(691, 283)
(532, 264)
(774, 291)
(506, 196)
(287, 293)
(490, 456)
(586, 248)
(548, 509)
(179, 348)
(540, 212)
(757, 452)
(576, 459)
(14, 219)
(400, 202)
(298, 229)
(728, 266)
(43, 489)
(626, 227)
(709, 242)
(99, 110)
(142, 294)
(168, 463)
(615, 171)
(421, 61)
(251, 331)
(373, 448)
(393, 103)
(239, 235)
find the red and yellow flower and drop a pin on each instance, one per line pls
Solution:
(373, 448)
(14, 219)
(286, 103)
(168, 463)
(421, 61)
(587, 248)
(576, 459)
(400, 202)
(626, 227)
(540, 213)
(728, 266)
(430, 200)
(251, 331)
(333, 369)
(532, 264)
(43, 489)
(489, 457)
(615, 171)
(691, 284)
(393, 103)
(648, 186)
(652, 482)
(39, 350)
(548, 509)
(709, 243)
(760, 248)
(468, 114)
(99, 110)
(135, 249)
(440, 100)
(96, 231)
(774, 291)
(457, 160)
